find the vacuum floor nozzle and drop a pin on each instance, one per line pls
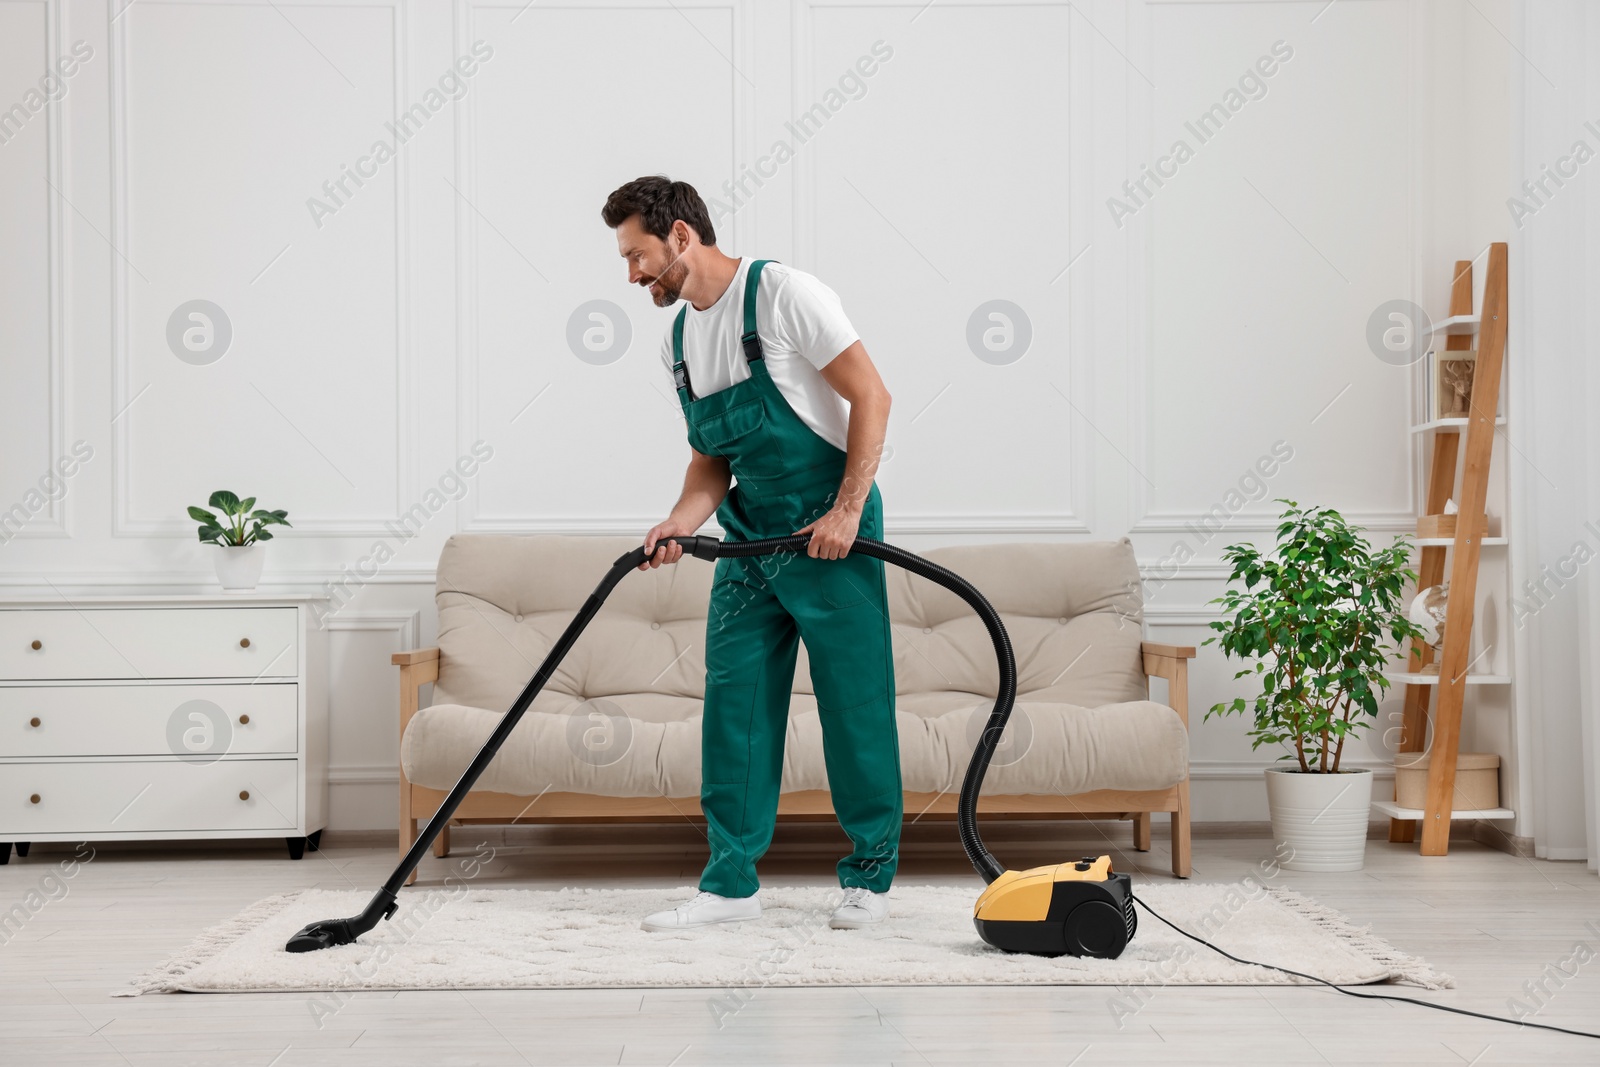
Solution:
(325, 934)
(331, 932)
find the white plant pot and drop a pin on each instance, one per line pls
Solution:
(239, 566)
(1319, 821)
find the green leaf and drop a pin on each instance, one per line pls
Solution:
(264, 535)
(210, 533)
(203, 516)
(228, 502)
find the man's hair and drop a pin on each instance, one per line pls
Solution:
(659, 202)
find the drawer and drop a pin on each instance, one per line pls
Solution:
(148, 643)
(91, 798)
(204, 722)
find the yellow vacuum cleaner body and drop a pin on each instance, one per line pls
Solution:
(1078, 908)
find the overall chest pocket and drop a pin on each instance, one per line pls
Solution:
(744, 436)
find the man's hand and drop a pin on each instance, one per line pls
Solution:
(671, 551)
(833, 534)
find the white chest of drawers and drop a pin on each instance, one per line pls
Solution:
(162, 718)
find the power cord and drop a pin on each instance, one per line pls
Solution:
(1363, 996)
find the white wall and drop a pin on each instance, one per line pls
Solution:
(1172, 348)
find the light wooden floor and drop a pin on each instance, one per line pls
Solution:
(1491, 920)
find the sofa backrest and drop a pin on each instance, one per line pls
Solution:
(1073, 611)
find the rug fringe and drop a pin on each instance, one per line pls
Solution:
(164, 976)
(1403, 967)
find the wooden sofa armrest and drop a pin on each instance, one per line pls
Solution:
(1172, 663)
(418, 667)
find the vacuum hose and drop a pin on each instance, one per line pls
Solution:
(330, 932)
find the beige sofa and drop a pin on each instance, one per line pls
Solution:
(615, 735)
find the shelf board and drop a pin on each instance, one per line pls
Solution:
(1417, 678)
(1395, 811)
(1446, 542)
(1457, 324)
(1449, 424)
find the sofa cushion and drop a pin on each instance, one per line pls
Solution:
(621, 714)
(1050, 748)
(504, 601)
(1073, 611)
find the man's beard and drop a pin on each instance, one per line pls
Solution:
(671, 281)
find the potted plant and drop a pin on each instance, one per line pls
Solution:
(1313, 616)
(239, 531)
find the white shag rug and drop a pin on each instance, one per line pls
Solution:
(590, 938)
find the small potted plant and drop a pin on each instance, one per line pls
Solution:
(1313, 616)
(239, 531)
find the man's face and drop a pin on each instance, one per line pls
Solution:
(652, 263)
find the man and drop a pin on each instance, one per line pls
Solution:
(764, 362)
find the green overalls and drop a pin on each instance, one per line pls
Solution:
(787, 476)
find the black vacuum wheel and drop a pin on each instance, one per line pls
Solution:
(1098, 929)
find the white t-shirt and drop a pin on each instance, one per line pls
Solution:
(802, 326)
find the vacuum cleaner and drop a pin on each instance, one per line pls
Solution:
(1077, 908)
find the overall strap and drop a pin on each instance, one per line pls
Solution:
(680, 369)
(750, 339)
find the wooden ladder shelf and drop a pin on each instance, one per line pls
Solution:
(1464, 554)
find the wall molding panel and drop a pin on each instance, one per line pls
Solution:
(53, 521)
(1080, 471)
(470, 223)
(344, 771)
(1266, 522)
(125, 391)
(1143, 517)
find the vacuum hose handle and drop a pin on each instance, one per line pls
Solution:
(699, 546)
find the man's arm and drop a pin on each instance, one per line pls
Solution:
(704, 485)
(853, 376)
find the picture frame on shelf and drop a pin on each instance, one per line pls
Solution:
(1450, 383)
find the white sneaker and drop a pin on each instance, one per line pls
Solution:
(860, 907)
(704, 909)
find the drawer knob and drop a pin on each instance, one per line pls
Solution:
(244, 720)
(244, 794)
(34, 799)
(37, 645)
(244, 642)
(34, 721)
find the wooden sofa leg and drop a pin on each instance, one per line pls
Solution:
(408, 825)
(1141, 831)
(1180, 833)
(441, 844)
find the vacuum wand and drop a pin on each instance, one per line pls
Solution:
(331, 932)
